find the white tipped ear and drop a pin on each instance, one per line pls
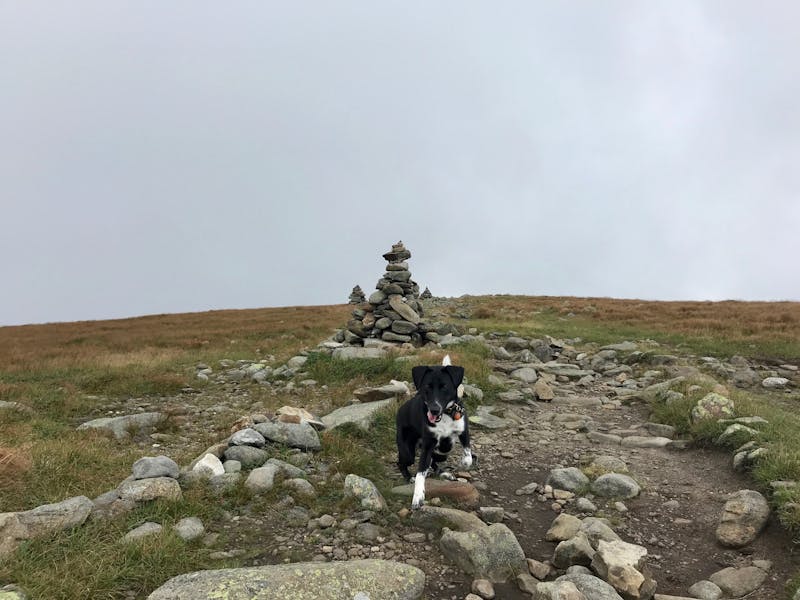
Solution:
(446, 361)
(460, 391)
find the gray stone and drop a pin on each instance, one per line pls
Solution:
(121, 427)
(585, 505)
(262, 479)
(571, 479)
(436, 518)
(299, 581)
(288, 469)
(189, 528)
(608, 464)
(575, 551)
(775, 383)
(231, 466)
(361, 414)
(404, 310)
(219, 484)
(364, 491)
(248, 456)
(596, 530)
(490, 552)
(625, 346)
(377, 297)
(154, 488)
(525, 374)
(712, 406)
(247, 437)
(155, 466)
(403, 327)
(296, 362)
(558, 590)
(563, 528)
(209, 465)
(301, 487)
(743, 517)
(391, 336)
(660, 430)
(491, 514)
(485, 419)
(143, 531)
(638, 441)
(591, 587)
(705, 590)
(350, 352)
(294, 435)
(736, 583)
(615, 485)
(51, 518)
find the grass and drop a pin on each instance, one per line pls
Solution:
(751, 329)
(92, 562)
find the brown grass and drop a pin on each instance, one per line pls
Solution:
(753, 328)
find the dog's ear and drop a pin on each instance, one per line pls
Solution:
(456, 374)
(417, 373)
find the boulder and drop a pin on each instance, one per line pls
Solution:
(622, 565)
(571, 479)
(209, 466)
(155, 488)
(350, 352)
(189, 529)
(294, 435)
(247, 437)
(436, 518)
(155, 466)
(121, 427)
(262, 479)
(736, 583)
(575, 551)
(248, 456)
(525, 375)
(144, 530)
(299, 581)
(558, 590)
(564, 527)
(591, 587)
(360, 414)
(712, 406)
(364, 491)
(490, 552)
(615, 485)
(743, 517)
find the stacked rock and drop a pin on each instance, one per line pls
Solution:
(357, 296)
(393, 313)
(426, 295)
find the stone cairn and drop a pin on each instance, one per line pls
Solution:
(393, 312)
(357, 296)
(426, 295)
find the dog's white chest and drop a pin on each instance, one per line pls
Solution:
(447, 427)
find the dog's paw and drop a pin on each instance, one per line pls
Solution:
(447, 475)
(417, 503)
(467, 460)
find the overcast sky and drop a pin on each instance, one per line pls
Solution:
(182, 156)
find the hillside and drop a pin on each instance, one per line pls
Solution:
(54, 377)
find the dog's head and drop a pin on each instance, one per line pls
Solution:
(438, 388)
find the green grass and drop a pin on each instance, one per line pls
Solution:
(91, 562)
(328, 370)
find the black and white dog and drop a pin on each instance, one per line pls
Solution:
(432, 419)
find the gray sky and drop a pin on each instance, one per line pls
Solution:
(181, 156)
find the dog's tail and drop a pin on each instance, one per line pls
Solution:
(446, 361)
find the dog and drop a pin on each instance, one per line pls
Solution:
(432, 420)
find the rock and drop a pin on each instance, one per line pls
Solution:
(262, 479)
(625, 346)
(301, 487)
(399, 305)
(143, 531)
(286, 468)
(121, 427)
(575, 551)
(615, 485)
(543, 391)
(660, 430)
(526, 583)
(743, 517)
(361, 414)
(736, 583)
(585, 505)
(637, 441)
(189, 528)
(591, 587)
(622, 564)
(490, 514)
(605, 438)
(775, 383)
(490, 552)
(59, 516)
(155, 466)
(298, 415)
(705, 590)
(483, 588)
(294, 435)
(12, 532)
(12, 592)
(299, 581)
(712, 406)
(395, 389)
(736, 431)
(248, 456)
(155, 488)
(525, 375)
(351, 352)
(210, 465)
(247, 437)
(219, 484)
(364, 491)
(485, 419)
(563, 528)
(571, 479)
(463, 493)
(558, 590)
(436, 518)
(597, 529)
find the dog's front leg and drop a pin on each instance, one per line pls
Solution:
(466, 460)
(422, 472)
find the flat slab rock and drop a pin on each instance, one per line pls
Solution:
(299, 581)
(121, 427)
(360, 414)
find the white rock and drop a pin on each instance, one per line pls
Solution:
(209, 466)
